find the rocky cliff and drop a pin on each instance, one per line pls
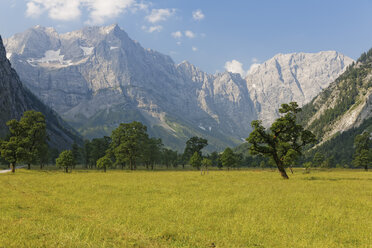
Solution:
(15, 99)
(345, 104)
(295, 77)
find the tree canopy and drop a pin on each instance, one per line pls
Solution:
(283, 141)
(363, 151)
(27, 141)
(65, 160)
(194, 144)
(127, 143)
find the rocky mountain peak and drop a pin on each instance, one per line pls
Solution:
(292, 77)
(15, 99)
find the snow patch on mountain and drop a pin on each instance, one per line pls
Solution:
(87, 50)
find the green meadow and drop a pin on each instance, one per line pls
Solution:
(239, 208)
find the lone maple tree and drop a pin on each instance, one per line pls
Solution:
(283, 141)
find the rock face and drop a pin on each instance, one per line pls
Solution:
(295, 77)
(345, 104)
(97, 77)
(15, 99)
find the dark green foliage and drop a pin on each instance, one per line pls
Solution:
(215, 158)
(27, 141)
(318, 159)
(341, 147)
(228, 158)
(284, 141)
(196, 160)
(363, 150)
(194, 144)
(92, 151)
(128, 141)
(169, 157)
(53, 155)
(98, 148)
(35, 136)
(152, 152)
(307, 166)
(76, 151)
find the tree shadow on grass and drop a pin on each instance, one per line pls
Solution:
(336, 179)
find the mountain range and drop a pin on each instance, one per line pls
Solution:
(15, 99)
(98, 77)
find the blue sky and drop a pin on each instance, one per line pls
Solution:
(209, 33)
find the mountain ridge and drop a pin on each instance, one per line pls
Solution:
(97, 77)
(16, 99)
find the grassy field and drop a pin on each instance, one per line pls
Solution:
(250, 208)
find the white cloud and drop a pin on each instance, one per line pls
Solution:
(158, 15)
(254, 60)
(177, 34)
(151, 29)
(194, 49)
(104, 9)
(198, 15)
(65, 10)
(156, 28)
(179, 43)
(253, 68)
(33, 10)
(189, 34)
(235, 66)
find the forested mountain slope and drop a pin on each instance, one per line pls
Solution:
(342, 111)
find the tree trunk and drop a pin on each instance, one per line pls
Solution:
(280, 166)
(104, 169)
(66, 169)
(28, 166)
(290, 167)
(282, 171)
(12, 165)
(366, 168)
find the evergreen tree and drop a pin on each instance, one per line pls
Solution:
(363, 151)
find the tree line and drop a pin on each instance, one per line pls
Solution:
(129, 146)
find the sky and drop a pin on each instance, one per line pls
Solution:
(214, 35)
